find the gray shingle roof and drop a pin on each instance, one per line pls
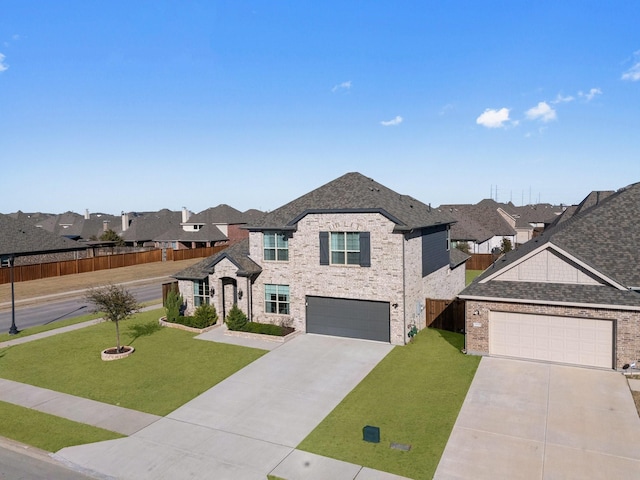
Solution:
(223, 214)
(208, 233)
(149, 225)
(19, 238)
(480, 218)
(353, 192)
(238, 254)
(605, 236)
(554, 293)
(457, 258)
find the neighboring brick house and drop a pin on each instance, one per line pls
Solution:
(570, 295)
(214, 226)
(351, 258)
(481, 226)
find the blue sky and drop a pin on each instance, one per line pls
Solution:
(143, 105)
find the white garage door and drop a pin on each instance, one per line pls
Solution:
(578, 341)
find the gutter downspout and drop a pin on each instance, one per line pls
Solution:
(404, 292)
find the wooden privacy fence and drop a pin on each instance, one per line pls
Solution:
(480, 261)
(445, 314)
(24, 273)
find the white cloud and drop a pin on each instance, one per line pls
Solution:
(541, 112)
(3, 66)
(590, 94)
(633, 74)
(562, 99)
(446, 109)
(392, 122)
(342, 86)
(491, 118)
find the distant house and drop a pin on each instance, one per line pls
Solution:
(351, 258)
(142, 229)
(219, 225)
(72, 225)
(571, 295)
(483, 226)
(28, 244)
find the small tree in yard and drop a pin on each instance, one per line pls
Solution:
(116, 302)
(506, 245)
(236, 319)
(173, 304)
(111, 236)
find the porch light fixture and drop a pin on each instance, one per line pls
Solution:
(240, 293)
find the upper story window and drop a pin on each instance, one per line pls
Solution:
(276, 246)
(345, 248)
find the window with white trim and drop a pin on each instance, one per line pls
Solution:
(276, 299)
(276, 246)
(201, 292)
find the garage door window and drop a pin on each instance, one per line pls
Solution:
(277, 299)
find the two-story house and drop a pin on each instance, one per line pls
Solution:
(351, 258)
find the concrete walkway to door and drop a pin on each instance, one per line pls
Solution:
(527, 420)
(248, 425)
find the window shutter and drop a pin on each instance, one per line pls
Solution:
(365, 249)
(324, 248)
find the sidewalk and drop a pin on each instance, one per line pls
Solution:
(110, 417)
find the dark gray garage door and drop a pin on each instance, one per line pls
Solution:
(348, 318)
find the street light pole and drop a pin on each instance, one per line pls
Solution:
(13, 330)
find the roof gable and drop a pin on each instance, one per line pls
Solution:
(354, 193)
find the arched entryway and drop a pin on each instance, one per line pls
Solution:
(229, 294)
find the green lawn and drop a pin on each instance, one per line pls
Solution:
(413, 395)
(45, 431)
(60, 323)
(51, 326)
(471, 274)
(167, 369)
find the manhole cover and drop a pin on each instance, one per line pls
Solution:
(400, 446)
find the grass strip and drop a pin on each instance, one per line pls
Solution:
(168, 368)
(45, 431)
(413, 395)
(470, 275)
(62, 323)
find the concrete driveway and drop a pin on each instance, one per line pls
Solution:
(527, 420)
(247, 425)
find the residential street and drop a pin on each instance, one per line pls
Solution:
(51, 310)
(22, 465)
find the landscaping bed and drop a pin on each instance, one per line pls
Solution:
(163, 322)
(253, 330)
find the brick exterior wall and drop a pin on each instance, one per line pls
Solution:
(385, 280)
(626, 325)
(235, 233)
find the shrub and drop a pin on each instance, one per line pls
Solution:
(173, 305)
(236, 319)
(205, 316)
(264, 329)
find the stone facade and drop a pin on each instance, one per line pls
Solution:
(626, 325)
(394, 277)
(383, 281)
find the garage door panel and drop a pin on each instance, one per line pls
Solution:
(580, 341)
(348, 318)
